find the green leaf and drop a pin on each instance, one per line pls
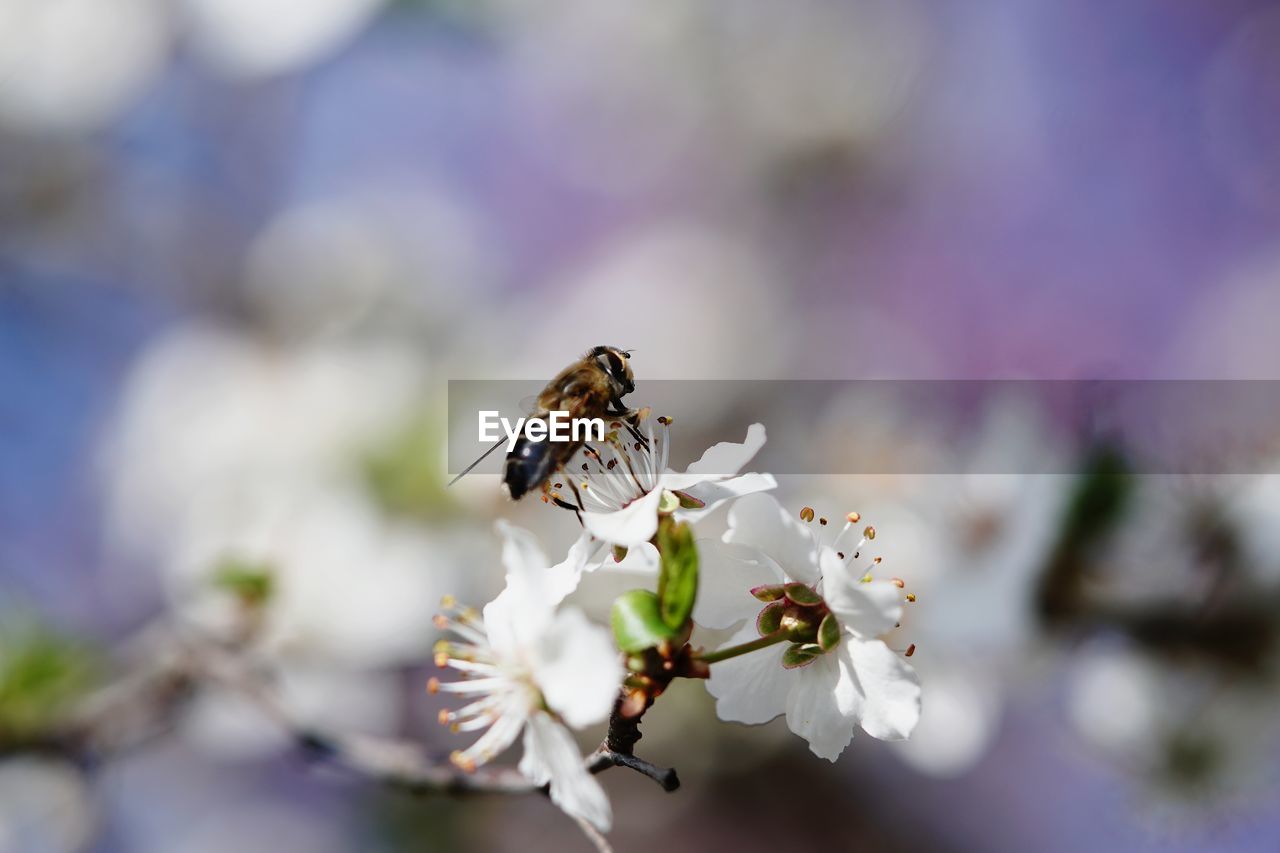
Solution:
(637, 621)
(41, 675)
(405, 471)
(252, 583)
(800, 654)
(1102, 495)
(678, 576)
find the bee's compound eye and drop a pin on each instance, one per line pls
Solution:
(617, 367)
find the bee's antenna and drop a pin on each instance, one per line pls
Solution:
(467, 470)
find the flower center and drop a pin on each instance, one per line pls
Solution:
(607, 476)
(799, 614)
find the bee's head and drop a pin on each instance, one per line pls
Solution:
(616, 363)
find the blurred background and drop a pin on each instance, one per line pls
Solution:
(244, 245)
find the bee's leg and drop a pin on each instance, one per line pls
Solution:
(629, 417)
(564, 504)
(551, 496)
(577, 497)
(644, 442)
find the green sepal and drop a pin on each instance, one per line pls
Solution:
(770, 618)
(802, 594)
(688, 501)
(769, 592)
(637, 621)
(829, 633)
(678, 575)
(797, 655)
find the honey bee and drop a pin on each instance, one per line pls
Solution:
(592, 387)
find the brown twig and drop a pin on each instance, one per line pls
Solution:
(141, 707)
(618, 747)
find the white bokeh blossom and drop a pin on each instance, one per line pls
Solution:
(839, 682)
(976, 539)
(72, 66)
(230, 451)
(528, 667)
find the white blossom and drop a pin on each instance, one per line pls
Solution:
(624, 485)
(530, 668)
(844, 680)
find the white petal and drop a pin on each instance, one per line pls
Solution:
(641, 559)
(521, 553)
(887, 688)
(510, 619)
(819, 706)
(718, 463)
(726, 458)
(577, 669)
(631, 525)
(522, 611)
(563, 578)
(550, 755)
(759, 520)
(751, 688)
(726, 576)
(712, 494)
(867, 609)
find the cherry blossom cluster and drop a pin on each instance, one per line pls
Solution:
(807, 613)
